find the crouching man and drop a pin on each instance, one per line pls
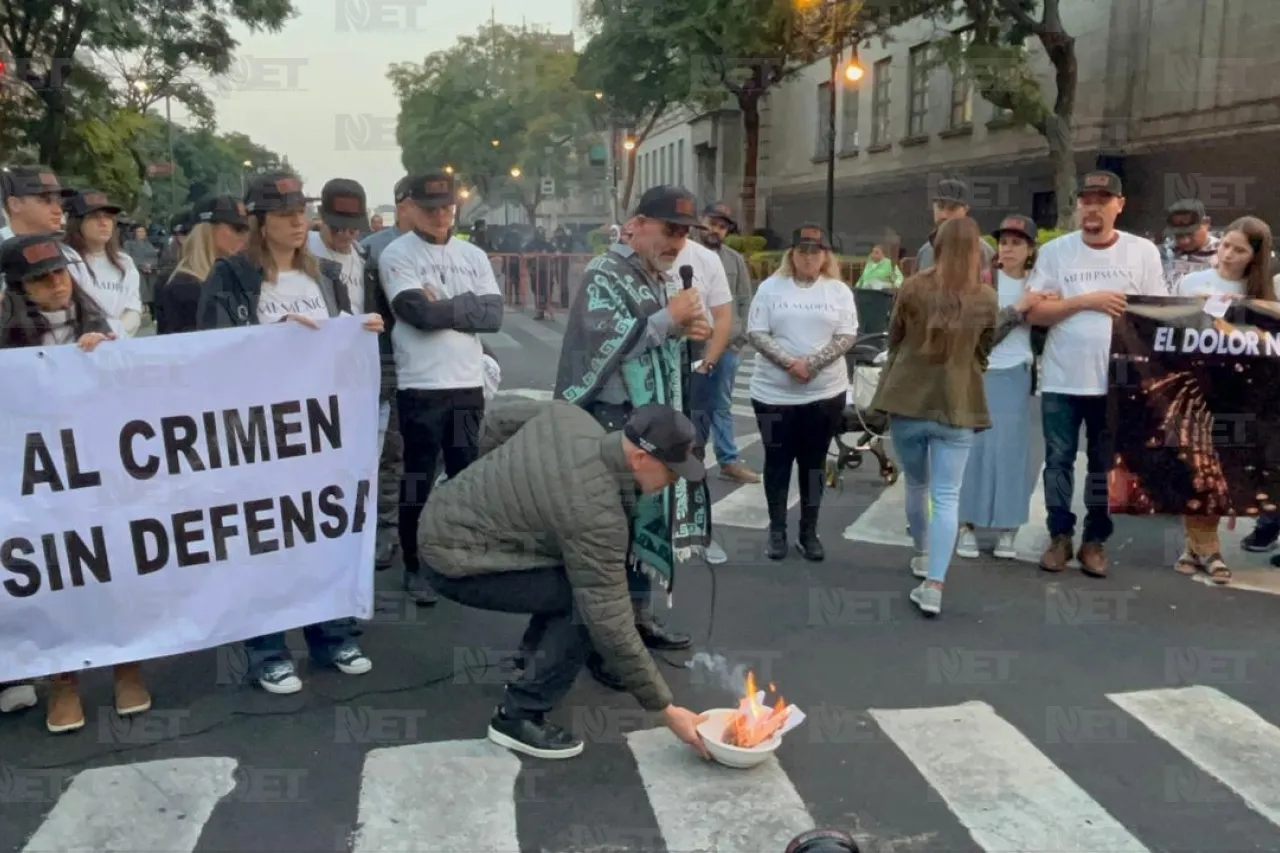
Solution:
(541, 523)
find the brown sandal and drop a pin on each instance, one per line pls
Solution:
(1188, 564)
(1216, 568)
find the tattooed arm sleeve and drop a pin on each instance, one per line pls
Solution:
(765, 344)
(835, 349)
(1006, 321)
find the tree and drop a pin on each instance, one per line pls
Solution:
(47, 40)
(502, 108)
(992, 52)
(743, 49)
(639, 72)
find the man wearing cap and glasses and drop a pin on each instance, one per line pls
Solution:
(1094, 269)
(951, 201)
(622, 350)
(443, 295)
(1188, 246)
(566, 564)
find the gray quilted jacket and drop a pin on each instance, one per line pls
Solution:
(550, 488)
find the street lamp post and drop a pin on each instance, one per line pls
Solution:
(831, 136)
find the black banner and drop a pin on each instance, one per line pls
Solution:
(1194, 408)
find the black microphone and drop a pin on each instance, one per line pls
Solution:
(686, 277)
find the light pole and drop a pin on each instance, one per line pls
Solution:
(852, 73)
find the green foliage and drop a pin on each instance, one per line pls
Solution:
(747, 245)
(502, 84)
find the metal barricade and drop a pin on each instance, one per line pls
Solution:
(542, 283)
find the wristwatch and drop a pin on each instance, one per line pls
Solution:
(708, 366)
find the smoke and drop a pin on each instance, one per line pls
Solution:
(731, 678)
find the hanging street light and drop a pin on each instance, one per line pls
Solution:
(515, 171)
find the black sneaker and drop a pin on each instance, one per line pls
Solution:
(658, 636)
(810, 547)
(419, 590)
(595, 666)
(777, 547)
(1263, 536)
(535, 737)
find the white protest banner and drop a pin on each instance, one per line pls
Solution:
(162, 495)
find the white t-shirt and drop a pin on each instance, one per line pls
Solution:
(1078, 349)
(1208, 283)
(1015, 349)
(116, 291)
(802, 320)
(352, 264)
(294, 292)
(445, 358)
(709, 277)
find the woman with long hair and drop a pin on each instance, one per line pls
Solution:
(43, 306)
(999, 475)
(222, 226)
(275, 279)
(116, 283)
(802, 321)
(940, 335)
(1243, 272)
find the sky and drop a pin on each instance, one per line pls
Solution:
(318, 92)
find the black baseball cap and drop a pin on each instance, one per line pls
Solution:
(222, 210)
(1185, 216)
(720, 210)
(274, 192)
(669, 204)
(1017, 224)
(343, 206)
(30, 256)
(182, 222)
(1101, 181)
(428, 191)
(668, 436)
(85, 202)
(24, 181)
(810, 235)
(951, 191)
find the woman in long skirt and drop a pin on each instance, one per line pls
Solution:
(999, 477)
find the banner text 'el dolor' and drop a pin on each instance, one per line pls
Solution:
(225, 495)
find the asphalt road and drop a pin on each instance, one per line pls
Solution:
(1038, 713)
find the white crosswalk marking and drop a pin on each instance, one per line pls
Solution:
(1219, 735)
(703, 806)
(153, 807)
(745, 506)
(1007, 793)
(446, 797)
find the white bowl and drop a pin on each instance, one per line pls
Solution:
(712, 732)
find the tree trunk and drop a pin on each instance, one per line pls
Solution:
(1063, 162)
(624, 204)
(52, 126)
(749, 103)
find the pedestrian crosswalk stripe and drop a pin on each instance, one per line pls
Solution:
(703, 806)
(1006, 792)
(745, 506)
(446, 797)
(152, 807)
(1219, 735)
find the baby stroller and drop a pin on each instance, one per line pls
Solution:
(863, 430)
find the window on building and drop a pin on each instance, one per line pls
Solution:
(822, 130)
(680, 162)
(881, 121)
(671, 163)
(961, 87)
(919, 68)
(849, 94)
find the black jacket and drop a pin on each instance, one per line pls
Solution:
(177, 304)
(229, 297)
(375, 300)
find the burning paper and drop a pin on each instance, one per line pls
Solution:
(756, 723)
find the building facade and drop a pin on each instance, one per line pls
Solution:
(1179, 97)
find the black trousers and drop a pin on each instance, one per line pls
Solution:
(555, 644)
(800, 436)
(436, 423)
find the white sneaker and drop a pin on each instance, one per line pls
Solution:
(715, 554)
(967, 544)
(920, 565)
(17, 697)
(280, 678)
(351, 661)
(1005, 549)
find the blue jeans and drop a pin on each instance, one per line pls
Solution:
(932, 456)
(1062, 415)
(324, 639)
(711, 396)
